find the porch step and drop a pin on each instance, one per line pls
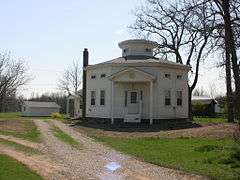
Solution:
(132, 118)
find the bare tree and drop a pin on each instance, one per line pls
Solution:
(71, 79)
(183, 30)
(228, 39)
(199, 92)
(13, 75)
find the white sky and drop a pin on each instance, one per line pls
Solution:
(49, 35)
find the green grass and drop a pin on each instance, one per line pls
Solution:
(207, 157)
(205, 120)
(10, 115)
(19, 147)
(28, 130)
(65, 137)
(11, 169)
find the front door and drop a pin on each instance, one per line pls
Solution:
(133, 102)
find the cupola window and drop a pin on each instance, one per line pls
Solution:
(168, 76)
(179, 76)
(148, 50)
(103, 75)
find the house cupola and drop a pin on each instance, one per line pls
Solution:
(137, 48)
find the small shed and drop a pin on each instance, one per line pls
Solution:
(74, 105)
(34, 108)
(205, 106)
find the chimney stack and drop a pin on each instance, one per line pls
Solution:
(84, 88)
(85, 57)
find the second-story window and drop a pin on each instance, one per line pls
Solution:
(179, 76)
(148, 50)
(168, 76)
(103, 75)
(93, 76)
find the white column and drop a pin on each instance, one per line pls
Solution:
(151, 103)
(112, 104)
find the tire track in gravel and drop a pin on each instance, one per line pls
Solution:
(95, 156)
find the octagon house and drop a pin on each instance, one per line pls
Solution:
(136, 87)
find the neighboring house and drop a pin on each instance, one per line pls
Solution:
(34, 108)
(205, 106)
(136, 87)
(74, 105)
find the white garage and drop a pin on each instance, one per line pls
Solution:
(33, 108)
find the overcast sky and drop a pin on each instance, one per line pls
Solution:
(50, 34)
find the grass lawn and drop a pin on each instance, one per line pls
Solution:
(208, 157)
(21, 128)
(19, 147)
(10, 115)
(11, 169)
(204, 120)
(65, 137)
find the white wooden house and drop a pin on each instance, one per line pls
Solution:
(137, 86)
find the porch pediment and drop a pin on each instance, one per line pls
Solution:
(132, 75)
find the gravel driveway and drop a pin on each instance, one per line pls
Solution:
(96, 161)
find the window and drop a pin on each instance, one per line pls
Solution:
(179, 98)
(168, 76)
(125, 50)
(179, 76)
(102, 97)
(167, 98)
(93, 77)
(93, 98)
(133, 97)
(148, 50)
(24, 108)
(126, 94)
(103, 75)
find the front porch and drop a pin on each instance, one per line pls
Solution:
(132, 95)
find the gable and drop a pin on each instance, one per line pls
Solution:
(132, 75)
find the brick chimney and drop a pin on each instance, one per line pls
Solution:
(84, 88)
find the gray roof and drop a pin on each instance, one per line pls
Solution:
(122, 60)
(202, 99)
(41, 104)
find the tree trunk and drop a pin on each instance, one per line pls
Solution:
(190, 115)
(229, 88)
(230, 44)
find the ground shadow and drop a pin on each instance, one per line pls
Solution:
(138, 127)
